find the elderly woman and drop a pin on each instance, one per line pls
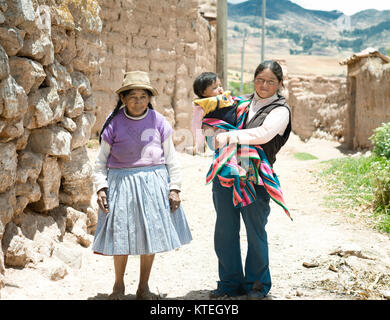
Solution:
(268, 124)
(138, 182)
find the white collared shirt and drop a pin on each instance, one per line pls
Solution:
(275, 123)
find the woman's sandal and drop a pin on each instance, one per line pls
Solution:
(116, 296)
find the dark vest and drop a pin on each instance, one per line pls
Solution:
(272, 147)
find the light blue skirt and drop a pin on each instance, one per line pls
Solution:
(139, 220)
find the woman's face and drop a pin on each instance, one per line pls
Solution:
(136, 102)
(266, 84)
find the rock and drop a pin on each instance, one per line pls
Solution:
(69, 255)
(19, 251)
(44, 108)
(80, 231)
(70, 51)
(8, 165)
(38, 46)
(72, 215)
(7, 205)
(4, 65)
(333, 268)
(28, 73)
(88, 54)
(311, 264)
(76, 224)
(73, 102)
(52, 141)
(29, 166)
(77, 184)
(59, 38)
(68, 124)
(386, 294)
(3, 5)
(81, 83)
(25, 194)
(49, 181)
(20, 13)
(58, 76)
(90, 103)
(92, 215)
(11, 129)
(21, 142)
(82, 134)
(54, 269)
(13, 99)
(11, 39)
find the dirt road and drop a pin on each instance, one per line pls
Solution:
(359, 267)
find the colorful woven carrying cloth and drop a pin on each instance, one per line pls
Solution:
(241, 167)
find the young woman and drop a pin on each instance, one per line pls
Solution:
(268, 124)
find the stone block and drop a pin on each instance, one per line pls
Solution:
(4, 65)
(11, 39)
(77, 183)
(13, 99)
(49, 181)
(8, 165)
(54, 141)
(27, 73)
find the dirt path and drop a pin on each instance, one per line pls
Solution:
(191, 271)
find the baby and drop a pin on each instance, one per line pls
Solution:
(213, 102)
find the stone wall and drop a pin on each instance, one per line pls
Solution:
(171, 41)
(48, 51)
(319, 106)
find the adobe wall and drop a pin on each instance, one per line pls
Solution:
(319, 106)
(372, 100)
(171, 41)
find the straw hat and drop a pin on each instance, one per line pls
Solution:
(137, 80)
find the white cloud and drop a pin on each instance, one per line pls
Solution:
(347, 7)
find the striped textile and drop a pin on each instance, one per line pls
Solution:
(241, 167)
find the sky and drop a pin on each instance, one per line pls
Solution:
(348, 7)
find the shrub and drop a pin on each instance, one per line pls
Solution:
(381, 140)
(380, 173)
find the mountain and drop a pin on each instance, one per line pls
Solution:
(296, 30)
(276, 9)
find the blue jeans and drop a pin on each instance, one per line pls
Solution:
(233, 281)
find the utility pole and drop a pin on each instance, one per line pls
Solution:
(242, 60)
(221, 41)
(263, 33)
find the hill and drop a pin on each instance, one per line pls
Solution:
(291, 29)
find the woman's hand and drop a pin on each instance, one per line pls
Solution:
(102, 199)
(174, 200)
(226, 138)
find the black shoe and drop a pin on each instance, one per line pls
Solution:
(217, 293)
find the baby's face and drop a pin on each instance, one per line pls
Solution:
(213, 89)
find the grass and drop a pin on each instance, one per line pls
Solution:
(304, 156)
(353, 185)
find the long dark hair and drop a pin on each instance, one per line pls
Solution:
(274, 67)
(117, 108)
(202, 81)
